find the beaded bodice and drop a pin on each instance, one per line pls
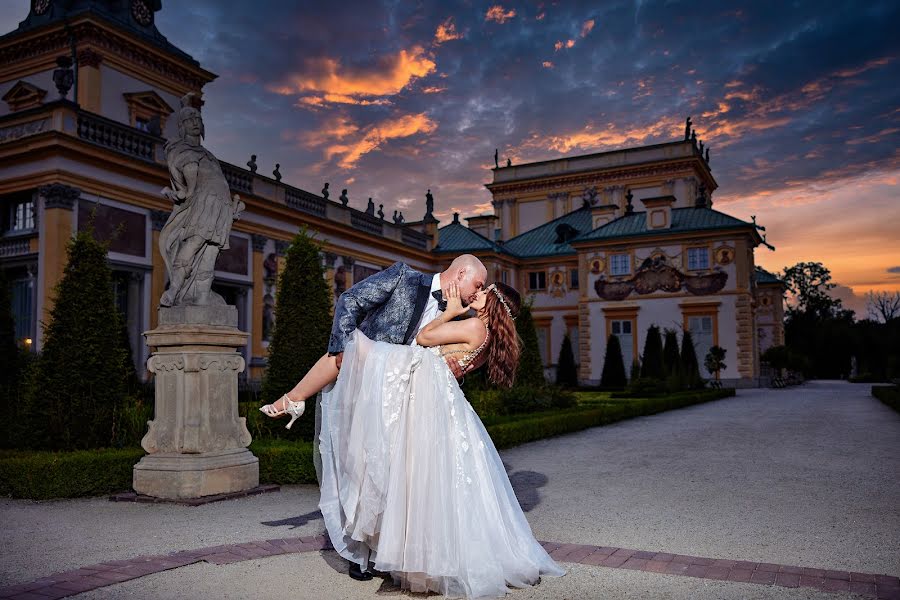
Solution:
(468, 359)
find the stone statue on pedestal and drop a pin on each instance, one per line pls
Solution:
(200, 223)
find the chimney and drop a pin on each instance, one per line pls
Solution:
(659, 212)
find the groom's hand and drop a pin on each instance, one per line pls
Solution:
(455, 368)
(338, 358)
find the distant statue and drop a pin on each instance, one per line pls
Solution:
(200, 223)
(629, 207)
(700, 142)
(277, 172)
(344, 199)
(707, 155)
(370, 207)
(63, 76)
(381, 211)
(693, 137)
(508, 162)
(252, 163)
(755, 224)
(325, 191)
(496, 158)
(396, 218)
(429, 204)
(687, 129)
(401, 218)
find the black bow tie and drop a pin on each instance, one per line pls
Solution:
(439, 296)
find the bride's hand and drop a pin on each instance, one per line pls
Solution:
(454, 302)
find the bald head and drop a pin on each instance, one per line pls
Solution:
(469, 274)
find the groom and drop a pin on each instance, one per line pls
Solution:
(393, 305)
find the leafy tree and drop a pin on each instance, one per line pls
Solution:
(652, 358)
(566, 372)
(810, 282)
(715, 360)
(531, 368)
(613, 375)
(302, 330)
(689, 366)
(75, 390)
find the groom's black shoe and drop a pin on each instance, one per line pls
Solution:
(358, 574)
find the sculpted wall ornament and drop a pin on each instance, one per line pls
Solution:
(200, 223)
(655, 275)
(724, 255)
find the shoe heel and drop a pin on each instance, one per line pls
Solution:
(291, 422)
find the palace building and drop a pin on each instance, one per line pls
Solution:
(605, 243)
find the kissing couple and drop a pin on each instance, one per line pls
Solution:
(411, 483)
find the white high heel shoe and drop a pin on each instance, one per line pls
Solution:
(295, 409)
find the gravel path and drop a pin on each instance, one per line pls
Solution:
(804, 476)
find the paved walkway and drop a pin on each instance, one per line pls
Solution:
(771, 494)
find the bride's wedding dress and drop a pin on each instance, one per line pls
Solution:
(410, 479)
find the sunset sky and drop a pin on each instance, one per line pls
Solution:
(799, 102)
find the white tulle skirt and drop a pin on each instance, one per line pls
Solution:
(411, 481)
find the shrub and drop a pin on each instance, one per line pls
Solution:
(75, 390)
(652, 359)
(531, 366)
(12, 360)
(613, 376)
(715, 360)
(566, 372)
(302, 329)
(525, 399)
(689, 365)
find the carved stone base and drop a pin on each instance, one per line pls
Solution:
(196, 440)
(179, 476)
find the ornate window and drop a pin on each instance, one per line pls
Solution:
(24, 95)
(573, 279)
(698, 258)
(22, 216)
(620, 264)
(537, 280)
(145, 109)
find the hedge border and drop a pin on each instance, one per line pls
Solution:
(889, 394)
(43, 475)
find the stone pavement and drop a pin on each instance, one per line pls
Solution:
(771, 494)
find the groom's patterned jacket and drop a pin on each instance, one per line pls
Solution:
(385, 306)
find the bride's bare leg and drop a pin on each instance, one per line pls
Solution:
(322, 373)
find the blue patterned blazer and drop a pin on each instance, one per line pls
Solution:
(385, 306)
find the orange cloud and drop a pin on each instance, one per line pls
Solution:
(587, 27)
(388, 77)
(540, 17)
(446, 31)
(433, 89)
(348, 143)
(593, 139)
(317, 101)
(547, 64)
(498, 14)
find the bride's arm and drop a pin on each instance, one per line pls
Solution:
(444, 330)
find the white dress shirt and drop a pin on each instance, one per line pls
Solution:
(431, 308)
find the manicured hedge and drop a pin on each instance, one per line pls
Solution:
(42, 475)
(889, 394)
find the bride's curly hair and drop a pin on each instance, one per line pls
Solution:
(505, 346)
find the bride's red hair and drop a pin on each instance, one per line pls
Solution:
(505, 346)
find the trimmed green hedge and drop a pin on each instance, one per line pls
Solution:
(889, 394)
(43, 475)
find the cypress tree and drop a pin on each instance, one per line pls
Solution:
(76, 388)
(689, 365)
(531, 368)
(302, 329)
(613, 365)
(566, 373)
(11, 360)
(672, 362)
(652, 359)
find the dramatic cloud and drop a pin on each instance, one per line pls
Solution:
(347, 85)
(587, 27)
(498, 14)
(446, 31)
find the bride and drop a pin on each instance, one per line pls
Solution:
(410, 479)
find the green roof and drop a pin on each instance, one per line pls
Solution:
(456, 237)
(542, 240)
(763, 276)
(685, 219)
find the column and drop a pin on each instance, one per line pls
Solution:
(349, 261)
(256, 325)
(89, 88)
(55, 228)
(158, 275)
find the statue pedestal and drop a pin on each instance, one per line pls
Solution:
(196, 443)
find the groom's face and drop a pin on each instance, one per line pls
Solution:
(470, 283)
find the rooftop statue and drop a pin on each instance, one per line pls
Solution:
(200, 223)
